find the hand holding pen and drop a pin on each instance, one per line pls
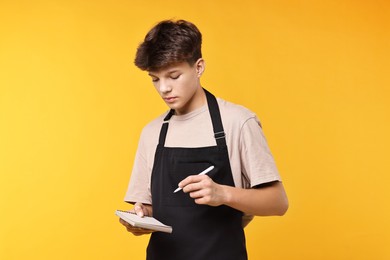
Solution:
(204, 190)
(202, 173)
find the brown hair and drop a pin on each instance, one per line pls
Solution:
(169, 42)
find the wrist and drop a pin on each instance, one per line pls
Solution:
(227, 195)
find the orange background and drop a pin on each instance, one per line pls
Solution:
(72, 106)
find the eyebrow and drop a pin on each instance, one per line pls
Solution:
(168, 72)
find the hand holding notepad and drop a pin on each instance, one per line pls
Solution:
(143, 222)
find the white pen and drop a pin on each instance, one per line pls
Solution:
(202, 173)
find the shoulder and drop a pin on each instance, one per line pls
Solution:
(235, 115)
(151, 131)
(155, 123)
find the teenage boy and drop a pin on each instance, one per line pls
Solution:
(199, 131)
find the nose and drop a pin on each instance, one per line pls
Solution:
(164, 86)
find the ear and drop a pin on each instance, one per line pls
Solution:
(200, 67)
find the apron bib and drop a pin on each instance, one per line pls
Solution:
(200, 232)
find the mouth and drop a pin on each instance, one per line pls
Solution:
(170, 99)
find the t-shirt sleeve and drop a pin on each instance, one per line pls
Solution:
(257, 162)
(139, 186)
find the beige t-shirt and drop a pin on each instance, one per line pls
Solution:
(250, 158)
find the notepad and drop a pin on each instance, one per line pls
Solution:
(144, 222)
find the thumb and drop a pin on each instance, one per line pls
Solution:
(138, 209)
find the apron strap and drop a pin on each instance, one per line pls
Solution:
(164, 128)
(219, 133)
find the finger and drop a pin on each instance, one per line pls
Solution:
(203, 183)
(192, 179)
(192, 187)
(138, 209)
(200, 201)
(139, 231)
(123, 222)
(131, 228)
(197, 194)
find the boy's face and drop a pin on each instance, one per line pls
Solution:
(179, 86)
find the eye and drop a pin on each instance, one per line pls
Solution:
(175, 76)
(154, 79)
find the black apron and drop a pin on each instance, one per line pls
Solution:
(200, 232)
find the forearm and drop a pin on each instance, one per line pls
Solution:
(265, 201)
